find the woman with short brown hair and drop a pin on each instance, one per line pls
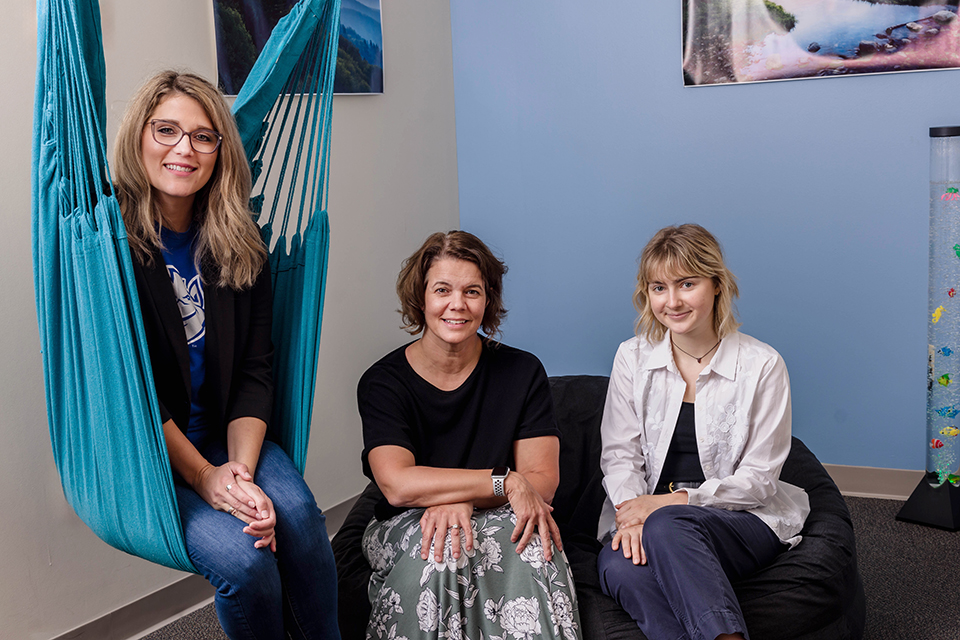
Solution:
(459, 436)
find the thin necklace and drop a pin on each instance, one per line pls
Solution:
(693, 356)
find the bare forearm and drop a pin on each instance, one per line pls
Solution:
(430, 486)
(544, 483)
(184, 457)
(418, 486)
(406, 484)
(244, 440)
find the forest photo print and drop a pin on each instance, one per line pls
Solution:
(243, 27)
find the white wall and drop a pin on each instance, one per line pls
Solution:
(393, 182)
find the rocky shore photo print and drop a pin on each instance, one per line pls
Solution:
(735, 41)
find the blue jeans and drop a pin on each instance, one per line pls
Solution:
(262, 595)
(684, 590)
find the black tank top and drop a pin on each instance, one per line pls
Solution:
(683, 458)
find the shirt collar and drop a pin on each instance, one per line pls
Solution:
(724, 361)
(661, 356)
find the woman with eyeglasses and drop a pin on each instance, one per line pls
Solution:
(251, 524)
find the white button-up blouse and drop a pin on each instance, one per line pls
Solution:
(742, 414)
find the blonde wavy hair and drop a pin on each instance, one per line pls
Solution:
(686, 250)
(228, 242)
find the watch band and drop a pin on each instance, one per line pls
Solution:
(499, 476)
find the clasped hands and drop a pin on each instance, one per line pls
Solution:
(230, 488)
(631, 514)
(533, 514)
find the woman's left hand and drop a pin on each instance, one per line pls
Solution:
(637, 510)
(533, 514)
(631, 539)
(264, 526)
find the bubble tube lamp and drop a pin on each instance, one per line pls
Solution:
(936, 500)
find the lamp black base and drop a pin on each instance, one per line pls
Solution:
(933, 506)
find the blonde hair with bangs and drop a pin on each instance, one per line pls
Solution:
(228, 240)
(685, 250)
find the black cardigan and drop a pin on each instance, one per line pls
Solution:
(238, 352)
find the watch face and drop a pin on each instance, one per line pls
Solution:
(500, 472)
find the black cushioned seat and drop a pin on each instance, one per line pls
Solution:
(811, 592)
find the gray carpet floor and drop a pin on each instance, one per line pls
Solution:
(911, 575)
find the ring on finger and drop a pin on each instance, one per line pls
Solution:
(229, 487)
(455, 527)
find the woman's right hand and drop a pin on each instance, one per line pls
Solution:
(221, 488)
(437, 520)
(532, 514)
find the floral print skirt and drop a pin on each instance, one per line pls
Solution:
(489, 593)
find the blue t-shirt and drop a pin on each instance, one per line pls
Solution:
(188, 289)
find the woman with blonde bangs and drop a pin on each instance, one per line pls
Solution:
(250, 523)
(695, 430)
(700, 257)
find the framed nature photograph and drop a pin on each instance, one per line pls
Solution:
(736, 41)
(243, 27)
(360, 57)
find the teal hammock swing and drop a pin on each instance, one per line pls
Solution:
(101, 402)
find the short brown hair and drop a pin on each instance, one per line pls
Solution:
(688, 250)
(460, 245)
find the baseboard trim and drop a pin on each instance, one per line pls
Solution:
(160, 608)
(147, 614)
(873, 482)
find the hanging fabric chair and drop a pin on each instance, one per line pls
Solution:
(101, 402)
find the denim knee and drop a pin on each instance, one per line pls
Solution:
(280, 480)
(251, 572)
(297, 508)
(300, 523)
(249, 598)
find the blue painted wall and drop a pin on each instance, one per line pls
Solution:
(577, 141)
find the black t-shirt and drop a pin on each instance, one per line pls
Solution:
(506, 398)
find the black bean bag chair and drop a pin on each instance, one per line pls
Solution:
(811, 592)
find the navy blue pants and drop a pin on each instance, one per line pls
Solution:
(684, 590)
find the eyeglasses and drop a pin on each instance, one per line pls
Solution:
(170, 135)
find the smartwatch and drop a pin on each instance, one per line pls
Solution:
(499, 475)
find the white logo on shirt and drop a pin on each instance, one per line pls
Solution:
(190, 300)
